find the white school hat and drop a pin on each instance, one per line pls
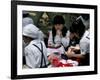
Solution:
(31, 30)
(26, 21)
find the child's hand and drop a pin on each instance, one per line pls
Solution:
(70, 52)
(77, 47)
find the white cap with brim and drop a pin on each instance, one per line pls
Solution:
(31, 31)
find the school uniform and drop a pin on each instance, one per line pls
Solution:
(85, 48)
(36, 54)
(85, 43)
(25, 21)
(58, 43)
(35, 51)
(58, 40)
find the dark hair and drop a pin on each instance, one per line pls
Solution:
(86, 16)
(25, 15)
(28, 37)
(78, 27)
(64, 31)
(58, 19)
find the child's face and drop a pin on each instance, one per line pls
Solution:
(58, 26)
(27, 39)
